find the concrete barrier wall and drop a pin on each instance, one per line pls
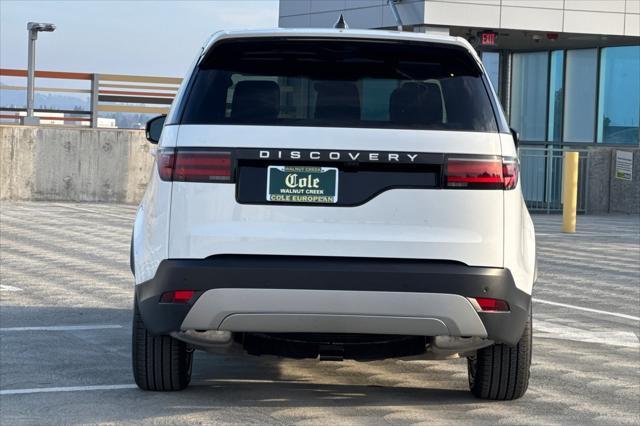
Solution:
(73, 164)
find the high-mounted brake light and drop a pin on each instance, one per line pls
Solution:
(481, 173)
(485, 304)
(195, 166)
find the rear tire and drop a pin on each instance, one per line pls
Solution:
(160, 363)
(501, 372)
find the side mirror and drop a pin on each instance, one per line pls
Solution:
(516, 137)
(153, 129)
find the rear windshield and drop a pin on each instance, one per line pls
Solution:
(340, 83)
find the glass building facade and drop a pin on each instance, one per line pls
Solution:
(556, 96)
(619, 95)
(566, 98)
(572, 96)
(580, 95)
(529, 95)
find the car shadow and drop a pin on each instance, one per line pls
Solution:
(268, 381)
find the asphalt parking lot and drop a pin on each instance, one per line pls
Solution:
(65, 308)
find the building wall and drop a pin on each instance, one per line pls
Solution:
(625, 194)
(358, 13)
(606, 193)
(614, 17)
(73, 164)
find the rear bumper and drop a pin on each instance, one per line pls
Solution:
(243, 293)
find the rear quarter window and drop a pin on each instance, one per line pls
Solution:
(339, 83)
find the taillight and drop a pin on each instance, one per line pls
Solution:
(195, 166)
(481, 173)
(165, 161)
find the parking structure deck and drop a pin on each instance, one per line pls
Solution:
(65, 312)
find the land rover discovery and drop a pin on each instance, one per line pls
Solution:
(334, 194)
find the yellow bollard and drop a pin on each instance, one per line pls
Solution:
(569, 191)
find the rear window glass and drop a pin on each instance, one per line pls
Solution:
(340, 83)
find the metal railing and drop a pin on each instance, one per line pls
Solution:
(541, 174)
(110, 93)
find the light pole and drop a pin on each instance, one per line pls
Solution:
(33, 28)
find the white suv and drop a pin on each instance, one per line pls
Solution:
(335, 194)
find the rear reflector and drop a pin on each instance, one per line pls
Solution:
(178, 296)
(485, 304)
(481, 173)
(194, 166)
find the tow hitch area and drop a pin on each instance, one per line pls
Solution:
(331, 347)
(333, 352)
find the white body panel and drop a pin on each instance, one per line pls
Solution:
(378, 228)
(151, 227)
(519, 234)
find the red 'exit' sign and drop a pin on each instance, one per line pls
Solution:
(488, 39)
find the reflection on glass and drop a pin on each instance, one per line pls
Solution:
(555, 96)
(580, 95)
(491, 61)
(529, 95)
(619, 98)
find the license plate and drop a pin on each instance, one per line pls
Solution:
(301, 184)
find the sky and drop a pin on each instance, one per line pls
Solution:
(123, 37)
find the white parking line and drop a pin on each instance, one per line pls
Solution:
(95, 212)
(9, 288)
(582, 234)
(580, 308)
(551, 330)
(65, 389)
(63, 328)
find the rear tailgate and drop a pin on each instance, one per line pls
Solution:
(388, 205)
